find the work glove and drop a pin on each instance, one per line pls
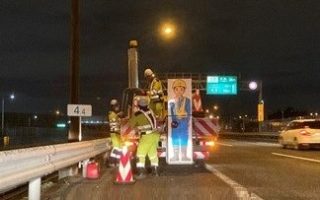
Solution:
(174, 124)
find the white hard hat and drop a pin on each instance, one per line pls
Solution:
(148, 72)
(143, 102)
(114, 102)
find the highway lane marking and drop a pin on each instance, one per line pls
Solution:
(266, 144)
(224, 144)
(241, 192)
(245, 143)
(296, 157)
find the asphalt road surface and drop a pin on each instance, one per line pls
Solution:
(267, 170)
(237, 170)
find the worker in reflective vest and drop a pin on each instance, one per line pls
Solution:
(114, 124)
(145, 121)
(155, 93)
(196, 100)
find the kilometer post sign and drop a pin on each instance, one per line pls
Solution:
(79, 110)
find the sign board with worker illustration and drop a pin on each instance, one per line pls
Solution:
(179, 121)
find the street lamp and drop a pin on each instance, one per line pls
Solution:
(168, 30)
(254, 85)
(2, 112)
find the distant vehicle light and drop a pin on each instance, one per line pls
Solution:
(61, 125)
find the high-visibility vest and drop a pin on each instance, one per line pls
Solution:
(114, 121)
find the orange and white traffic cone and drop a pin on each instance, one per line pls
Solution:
(124, 174)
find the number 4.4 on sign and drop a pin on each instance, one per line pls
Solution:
(79, 110)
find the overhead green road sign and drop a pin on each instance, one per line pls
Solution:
(222, 85)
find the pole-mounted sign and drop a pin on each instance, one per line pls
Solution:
(79, 110)
(260, 112)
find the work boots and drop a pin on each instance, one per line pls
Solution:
(141, 173)
(155, 171)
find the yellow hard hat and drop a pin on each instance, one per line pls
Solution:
(179, 83)
(148, 72)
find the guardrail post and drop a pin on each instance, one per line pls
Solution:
(69, 171)
(84, 164)
(34, 189)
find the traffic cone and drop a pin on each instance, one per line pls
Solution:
(124, 174)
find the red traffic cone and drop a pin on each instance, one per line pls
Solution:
(93, 170)
(124, 174)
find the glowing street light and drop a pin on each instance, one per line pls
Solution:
(253, 85)
(168, 30)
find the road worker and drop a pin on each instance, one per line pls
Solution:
(114, 123)
(196, 101)
(155, 93)
(144, 120)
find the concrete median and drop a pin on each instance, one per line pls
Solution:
(251, 136)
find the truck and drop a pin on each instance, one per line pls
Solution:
(205, 129)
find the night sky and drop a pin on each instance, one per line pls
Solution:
(274, 41)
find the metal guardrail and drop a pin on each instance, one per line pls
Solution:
(26, 137)
(26, 165)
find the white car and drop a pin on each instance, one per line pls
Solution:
(300, 134)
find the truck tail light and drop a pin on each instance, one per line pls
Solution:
(210, 143)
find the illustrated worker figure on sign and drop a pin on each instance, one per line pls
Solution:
(180, 111)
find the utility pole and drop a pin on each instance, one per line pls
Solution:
(133, 80)
(2, 118)
(74, 66)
